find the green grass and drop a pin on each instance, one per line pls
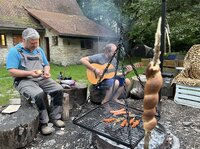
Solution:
(77, 72)
(6, 86)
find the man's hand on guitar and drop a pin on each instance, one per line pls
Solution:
(98, 72)
(94, 74)
(128, 69)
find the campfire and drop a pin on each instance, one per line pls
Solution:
(127, 135)
(128, 126)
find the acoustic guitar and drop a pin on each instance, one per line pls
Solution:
(110, 73)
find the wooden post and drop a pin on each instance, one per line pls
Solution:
(66, 107)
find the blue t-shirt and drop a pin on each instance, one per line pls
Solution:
(13, 59)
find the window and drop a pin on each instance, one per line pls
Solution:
(17, 39)
(3, 40)
(55, 40)
(86, 44)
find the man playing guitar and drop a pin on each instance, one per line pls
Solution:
(114, 85)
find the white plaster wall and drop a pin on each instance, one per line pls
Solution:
(4, 51)
(9, 40)
(67, 52)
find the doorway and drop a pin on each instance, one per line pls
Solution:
(47, 48)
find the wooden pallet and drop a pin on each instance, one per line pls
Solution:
(187, 95)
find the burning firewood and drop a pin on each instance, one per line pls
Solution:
(151, 90)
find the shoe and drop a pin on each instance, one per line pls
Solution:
(58, 123)
(46, 130)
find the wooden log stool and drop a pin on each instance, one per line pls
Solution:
(65, 107)
(137, 91)
(77, 95)
(19, 129)
(96, 94)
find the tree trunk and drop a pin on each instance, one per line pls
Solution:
(96, 95)
(77, 95)
(19, 128)
(137, 92)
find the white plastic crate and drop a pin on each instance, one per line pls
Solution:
(187, 95)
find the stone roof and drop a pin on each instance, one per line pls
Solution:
(71, 25)
(14, 16)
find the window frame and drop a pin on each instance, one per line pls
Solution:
(86, 44)
(5, 40)
(55, 40)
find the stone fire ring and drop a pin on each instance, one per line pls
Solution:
(157, 141)
(19, 128)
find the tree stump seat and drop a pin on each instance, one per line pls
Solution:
(77, 95)
(137, 91)
(96, 95)
(19, 128)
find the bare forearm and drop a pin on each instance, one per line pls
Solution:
(47, 69)
(85, 61)
(19, 73)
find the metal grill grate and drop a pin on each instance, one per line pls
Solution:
(93, 121)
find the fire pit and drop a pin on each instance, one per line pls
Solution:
(126, 136)
(158, 141)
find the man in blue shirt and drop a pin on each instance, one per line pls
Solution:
(28, 65)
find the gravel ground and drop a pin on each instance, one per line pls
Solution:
(181, 121)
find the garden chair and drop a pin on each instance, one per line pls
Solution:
(188, 80)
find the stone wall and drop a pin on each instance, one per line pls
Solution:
(9, 41)
(68, 50)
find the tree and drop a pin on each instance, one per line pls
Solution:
(101, 11)
(139, 19)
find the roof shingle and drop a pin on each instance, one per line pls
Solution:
(64, 16)
(13, 15)
(71, 25)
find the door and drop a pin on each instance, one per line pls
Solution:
(47, 48)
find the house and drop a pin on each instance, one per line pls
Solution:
(66, 34)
